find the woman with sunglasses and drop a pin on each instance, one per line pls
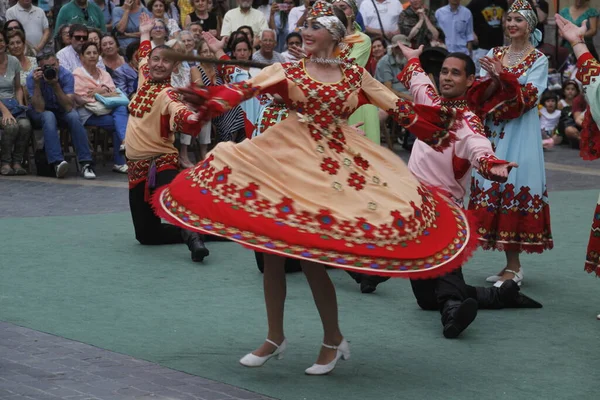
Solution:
(14, 123)
(12, 25)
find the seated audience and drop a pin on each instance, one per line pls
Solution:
(69, 56)
(12, 25)
(159, 35)
(89, 81)
(293, 39)
(51, 87)
(378, 50)
(16, 47)
(126, 76)
(159, 8)
(201, 14)
(267, 53)
(110, 53)
(14, 122)
(126, 21)
(94, 35)
(62, 38)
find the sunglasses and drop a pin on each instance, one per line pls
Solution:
(13, 28)
(80, 37)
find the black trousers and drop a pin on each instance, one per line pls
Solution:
(149, 228)
(432, 294)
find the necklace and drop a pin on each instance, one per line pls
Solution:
(514, 57)
(326, 60)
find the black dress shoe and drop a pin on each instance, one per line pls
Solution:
(510, 294)
(458, 316)
(195, 244)
(356, 276)
(368, 283)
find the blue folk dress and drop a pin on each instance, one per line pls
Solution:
(515, 216)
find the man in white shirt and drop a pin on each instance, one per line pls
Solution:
(297, 15)
(34, 21)
(389, 11)
(244, 15)
(267, 53)
(69, 56)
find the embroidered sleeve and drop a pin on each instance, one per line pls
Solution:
(433, 125)
(143, 53)
(486, 163)
(212, 101)
(513, 98)
(414, 78)
(178, 115)
(588, 70)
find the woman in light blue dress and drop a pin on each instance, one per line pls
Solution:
(513, 217)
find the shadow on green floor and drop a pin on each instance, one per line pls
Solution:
(85, 278)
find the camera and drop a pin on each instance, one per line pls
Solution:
(49, 72)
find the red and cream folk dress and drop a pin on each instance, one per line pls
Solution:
(515, 215)
(587, 73)
(312, 188)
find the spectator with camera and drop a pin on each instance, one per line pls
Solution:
(52, 87)
(14, 122)
(69, 56)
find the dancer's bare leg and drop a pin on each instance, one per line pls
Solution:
(275, 292)
(323, 292)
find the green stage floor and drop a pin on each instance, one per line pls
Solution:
(84, 277)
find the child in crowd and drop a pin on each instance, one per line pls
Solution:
(549, 117)
(567, 127)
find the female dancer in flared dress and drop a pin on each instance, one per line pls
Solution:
(312, 188)
(514, 217)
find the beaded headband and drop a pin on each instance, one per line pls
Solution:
(524, 8)
(322, 12)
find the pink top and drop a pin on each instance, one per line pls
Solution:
(450, 169)
(84, 82)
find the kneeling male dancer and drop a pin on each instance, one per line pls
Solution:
(450, 171)
(156, 112)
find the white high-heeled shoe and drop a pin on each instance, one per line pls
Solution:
(343, 352)
(252, 360)
(495, 278)
(518, 278)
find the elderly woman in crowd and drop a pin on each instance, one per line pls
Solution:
(158, 8)
(14, 123)
(159, 35)
(89, 81)
(109, 48)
